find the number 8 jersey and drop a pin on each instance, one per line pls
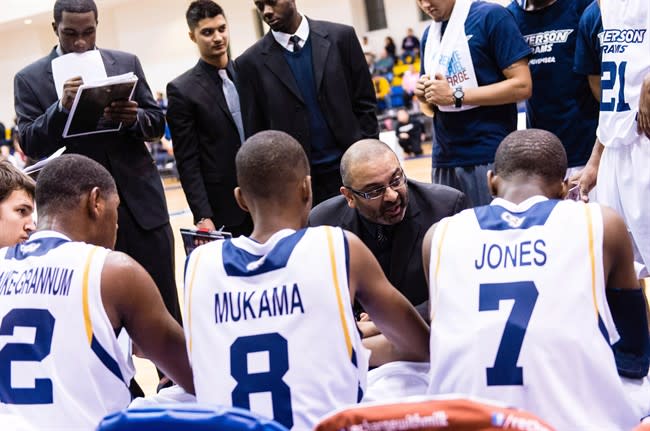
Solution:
(519, 313)
(625, 47)
(61, 367)
(269, 327)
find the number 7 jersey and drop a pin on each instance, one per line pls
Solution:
(269, 327)
(519, 313)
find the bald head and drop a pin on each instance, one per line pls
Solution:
(364, 151)
(531, 152)
(268, 163)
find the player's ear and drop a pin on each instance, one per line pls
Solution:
(349, 197)
(55, 28)
(192, 36)
(305, 189)
(241, 201)
(94, 204)
(493, 181)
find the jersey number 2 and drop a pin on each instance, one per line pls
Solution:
(43, 323)
(505, 370)
(269, 381)
(613, 72)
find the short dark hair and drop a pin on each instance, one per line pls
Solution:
(201, 9)
(73, 6)
(531, 152)
(268, 161)
(365, 150)
(63, 181)
(11, 179)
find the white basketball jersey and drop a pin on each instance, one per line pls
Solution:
(625, 47)
(60, 365)
(519, 313)
(270, 328)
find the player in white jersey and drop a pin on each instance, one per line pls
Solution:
(622, 155)
(528, 294)
(16, 205)
(64, 295)
(269, 320)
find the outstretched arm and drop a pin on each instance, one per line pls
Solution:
(132, 301)
(395, 317)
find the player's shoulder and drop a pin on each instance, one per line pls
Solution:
(489, 10)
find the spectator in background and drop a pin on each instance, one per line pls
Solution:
(391, 48)
(367, 47)
(309, 79)
(382, 92)
(16, 205)
(384, 64)
(410, 47)
(409, 133)
(410, 80)
(473, 94)
(206, 130)
(561, 102)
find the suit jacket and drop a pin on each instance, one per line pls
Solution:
(428, 204)
(271, 98)
(205, 140)
(123, 153)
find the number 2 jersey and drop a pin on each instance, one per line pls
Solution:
(269, 327)
(61, 367)
(625, 47)
(519, 313)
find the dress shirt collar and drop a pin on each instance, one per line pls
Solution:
(302, 33)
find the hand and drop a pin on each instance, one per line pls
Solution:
(122, 111)
(586, 180)
(643, 116)
(70, 88)
(420, 87)
(205, 224)
(368, 329)
(438, 92)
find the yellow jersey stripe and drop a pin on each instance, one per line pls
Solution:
(337, 287)
(84, 296)
(592, 256)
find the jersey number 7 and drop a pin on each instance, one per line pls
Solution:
(505, 370)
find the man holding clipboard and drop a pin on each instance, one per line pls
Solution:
(144, 231)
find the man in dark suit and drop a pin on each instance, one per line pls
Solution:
(206, 131)
(144, 231)
(309, 79)
(389, 213)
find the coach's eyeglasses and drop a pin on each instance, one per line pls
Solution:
(396, 183)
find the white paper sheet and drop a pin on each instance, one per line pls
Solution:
(88, 65)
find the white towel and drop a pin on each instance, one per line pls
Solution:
(450, 56)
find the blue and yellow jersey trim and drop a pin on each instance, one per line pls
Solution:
(337, 289)
(104, 357)
(190, 287)
(444, 225)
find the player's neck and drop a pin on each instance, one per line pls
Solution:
(520, 192)
(532, 5)
(219, 62)
(269, 221)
